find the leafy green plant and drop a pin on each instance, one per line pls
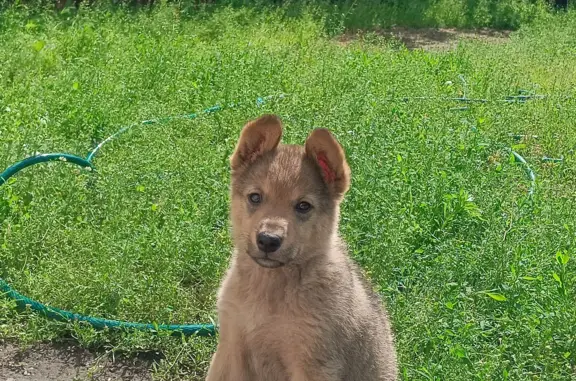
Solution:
(561, 276)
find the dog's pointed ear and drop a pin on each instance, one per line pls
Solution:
(323, 148)
(258, 137)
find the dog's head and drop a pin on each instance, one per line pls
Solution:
(285, 198)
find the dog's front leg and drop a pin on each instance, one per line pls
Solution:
(227, 364)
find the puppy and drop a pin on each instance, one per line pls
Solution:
(293, 306)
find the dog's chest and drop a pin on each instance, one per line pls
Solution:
(273, 327)
(271, 317)
(274, 336)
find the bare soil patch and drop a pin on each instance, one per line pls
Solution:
(434, 39)
(65, 362)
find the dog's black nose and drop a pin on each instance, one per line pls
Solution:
(268, 243)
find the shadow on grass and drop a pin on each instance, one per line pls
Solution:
(338, 16)
(431, 38)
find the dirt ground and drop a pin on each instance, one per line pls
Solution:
(434, 39)
(65, 362)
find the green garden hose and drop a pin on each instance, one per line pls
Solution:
(24, 302)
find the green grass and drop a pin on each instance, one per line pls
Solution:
(438, 214)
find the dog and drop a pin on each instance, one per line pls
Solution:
(293, 306)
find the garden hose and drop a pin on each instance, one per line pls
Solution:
(53, 313)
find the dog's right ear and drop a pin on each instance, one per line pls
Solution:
(324, 149)
(258, 137)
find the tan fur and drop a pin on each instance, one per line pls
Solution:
(303, 312)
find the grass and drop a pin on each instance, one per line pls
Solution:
(473, 270)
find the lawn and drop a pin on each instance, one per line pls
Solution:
(479, 275)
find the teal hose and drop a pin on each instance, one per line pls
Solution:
(24, 302)
(12, 170)
(529, 172)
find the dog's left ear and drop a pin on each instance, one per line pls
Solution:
(324, 149)
(258, 137)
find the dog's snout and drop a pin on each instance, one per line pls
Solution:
(268, 243)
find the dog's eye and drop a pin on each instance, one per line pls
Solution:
(303, 207)
(255, 198)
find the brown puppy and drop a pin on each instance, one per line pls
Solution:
(293, 306)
